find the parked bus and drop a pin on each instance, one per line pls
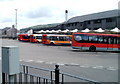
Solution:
(34, 38)
(54, 39)
(95, 41)
(24, 37)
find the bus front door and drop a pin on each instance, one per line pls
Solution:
(44, 39)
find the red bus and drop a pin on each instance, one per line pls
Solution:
(34, 38)
(54, 39)
(96, 41)
(24, 37)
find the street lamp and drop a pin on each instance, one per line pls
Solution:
(66, 15)
(16, 18)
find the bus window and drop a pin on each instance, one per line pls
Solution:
(77, 37)
(119, 40)
(26, 37)
(61, 38)
(110, 40)
(100, 39)
(85, 38)
(105, 38)
(68, 38)
(115, 40)
(93, 39)
(38, 37)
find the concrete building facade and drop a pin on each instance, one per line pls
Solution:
(104, 20)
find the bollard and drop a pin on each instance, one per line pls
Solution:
(56, 74)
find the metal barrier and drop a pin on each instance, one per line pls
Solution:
(31, 74)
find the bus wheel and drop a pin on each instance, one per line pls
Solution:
(52, 43)
(92, 48)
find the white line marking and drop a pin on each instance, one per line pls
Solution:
(60, 63)
(49, 62)
(98, 67)
(29, 60)
(72, 64)
(39, 61)
(111, 68)
(84, 66)
(20, 60)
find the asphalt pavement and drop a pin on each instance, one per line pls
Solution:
(100, 66)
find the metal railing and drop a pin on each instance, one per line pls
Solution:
(32, 74)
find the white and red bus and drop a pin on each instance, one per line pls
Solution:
(96, 41)
(24, 37)
(54, 39)
(34, 38)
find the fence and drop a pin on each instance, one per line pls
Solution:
(31, 74)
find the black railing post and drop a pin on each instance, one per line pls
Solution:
(56, 74)
(3, 78)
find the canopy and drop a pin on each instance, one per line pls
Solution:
(57, 31)
(115, 30)
(75, 30)
(65, 31)
(86, 30)
(41, 31)
(99, 30)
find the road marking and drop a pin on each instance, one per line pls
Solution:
(29, 60)
(20, 60)
(84, 66)
(98, 67)
(111, 68)
(49, 62)
(73, 64)
(39, 61)
(60, 63)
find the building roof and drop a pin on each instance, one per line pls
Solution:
(94, 16)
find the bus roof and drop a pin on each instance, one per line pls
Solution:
(22, 34)
(56, 35)
(36, 34)
(116, 35)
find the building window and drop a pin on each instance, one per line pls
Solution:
(88, 22)
(76, 24)
(68, 25)
(109, 20)
(72, 24)
(97, 21)
(81, 24)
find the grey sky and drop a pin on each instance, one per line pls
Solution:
(35, 12)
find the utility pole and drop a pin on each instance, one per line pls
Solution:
(66, 15)
(16, 18)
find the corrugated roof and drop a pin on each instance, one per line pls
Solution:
(100, 15)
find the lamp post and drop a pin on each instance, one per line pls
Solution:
(16, 18)
(66, 15)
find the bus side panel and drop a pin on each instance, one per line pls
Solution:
(62, 42)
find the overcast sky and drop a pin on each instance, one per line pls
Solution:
(35, 12)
